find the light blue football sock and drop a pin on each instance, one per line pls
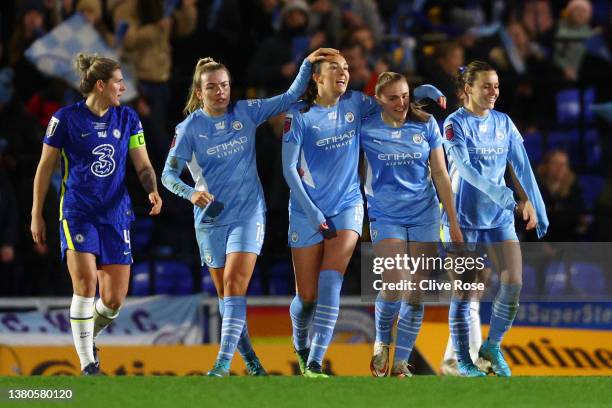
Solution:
(326, 314)
(301, 316)
(408, 327)
(245, 348)
(505, 307)
(234, 319)
(384, 315)
(459, 324)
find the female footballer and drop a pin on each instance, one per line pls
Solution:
(480, 142)
(217, 143)
(93, 138)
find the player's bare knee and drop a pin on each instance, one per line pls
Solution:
(112, 301)
(308, 295)
(234, 287)
(85, 287)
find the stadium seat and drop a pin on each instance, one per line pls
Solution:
(280, 269)
(141, 232)
(591, 189)
(530, 282)
(533, 145)
(141, 279)
(256, 287)
(279, 285)
(556, 280)
(172, 278)
(208, 286)
(587, 279)
(568, 105)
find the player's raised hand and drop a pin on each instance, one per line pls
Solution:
(201, 198)
(526, 210)
(321, 54)
(39, 229)
(156, 201)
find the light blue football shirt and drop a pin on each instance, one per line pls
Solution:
(398, 185)
(329, 158)
(488, 141)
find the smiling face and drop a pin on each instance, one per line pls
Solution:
(333, 78)
(394, 98)
(111, 90)
(483, 93)
(214, 91)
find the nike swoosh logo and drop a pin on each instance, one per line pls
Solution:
(126, 253)
(84, 134)
(377, 141)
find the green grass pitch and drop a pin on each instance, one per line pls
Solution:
(420, 392)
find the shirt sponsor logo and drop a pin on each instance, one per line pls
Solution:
(52, 126)
(332, 115)
(254, 102)
(237, 125)
(105, 165)
(482, 128)
(399, 156)
(101, 133)
(396, 134)
(220, 125)
(228, 148)
(486, 150)
(99, 125)
(341, 140)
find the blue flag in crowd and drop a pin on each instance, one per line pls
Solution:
(54, 53)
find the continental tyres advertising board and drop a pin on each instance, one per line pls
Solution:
(529, 351)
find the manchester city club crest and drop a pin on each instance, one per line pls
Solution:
(500, 135)
(208, 258)
(418, 138)
(294, 236)
(349, 117)
(374, 233)
(237, 125)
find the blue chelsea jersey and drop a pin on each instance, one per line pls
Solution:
(488, 140)
(94, 152)
(398, 186)
(329, 158)
(220, 154)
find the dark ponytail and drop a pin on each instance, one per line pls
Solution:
(312, 90)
